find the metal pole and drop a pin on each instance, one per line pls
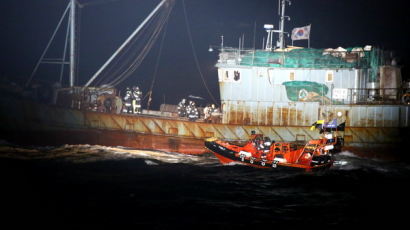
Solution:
(282, 25)
(125, 43)
(64, 52)
(72, 43)
(310, 31)
(263, 43)
(243, 41)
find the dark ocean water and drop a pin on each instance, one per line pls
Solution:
(95, 186)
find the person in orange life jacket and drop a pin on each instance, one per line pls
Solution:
(259, 144)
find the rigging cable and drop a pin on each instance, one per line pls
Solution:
(156, 66)
(194, 52)
(145, 50)
(91, 3)
(78, 43)
(123, 59)
(128, 68)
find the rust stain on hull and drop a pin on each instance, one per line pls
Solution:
(41, 124)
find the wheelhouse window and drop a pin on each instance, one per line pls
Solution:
(226, 76)
(237, 75)
(329, 76)
(292, 76)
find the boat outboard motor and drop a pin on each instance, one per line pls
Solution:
(319, 160)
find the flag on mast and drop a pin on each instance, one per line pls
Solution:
(301, 33)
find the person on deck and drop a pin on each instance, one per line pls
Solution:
(136, 102)
(260, 147)
(192, 111)
(207, 113)
(182, 108)
(215, 114)
(127, 101)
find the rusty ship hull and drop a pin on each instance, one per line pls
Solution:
(25, 122)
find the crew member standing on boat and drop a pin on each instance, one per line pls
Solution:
(260, 147)
(266, 146)
(207, 113)
(182, 108)
(215, 114)
(136, 102)
(127, 101)
(192, 111)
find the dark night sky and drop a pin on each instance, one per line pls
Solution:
(26, 26)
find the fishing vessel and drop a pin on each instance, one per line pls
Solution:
(277, 91)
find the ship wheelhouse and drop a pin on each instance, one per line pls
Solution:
(297, 86)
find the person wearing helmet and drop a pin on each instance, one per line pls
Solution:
(192, 111)
(207, 113)
(127, 101)
(215, 114)
(136, 101)
(182, 108)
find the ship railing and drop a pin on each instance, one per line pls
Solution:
(320, 59)
(233, 56)
(81, 97)
(359, 96)
(373, 96)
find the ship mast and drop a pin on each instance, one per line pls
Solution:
(61, 61)
(72, 42)
(282, 4)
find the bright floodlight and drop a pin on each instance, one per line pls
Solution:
(268, 26)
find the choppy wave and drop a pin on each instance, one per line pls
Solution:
(344, 161)
(348, 161)
(92, 153)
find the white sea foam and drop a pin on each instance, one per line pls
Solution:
(233, 163)
(149, 162)
(90, 153)
(348, 154)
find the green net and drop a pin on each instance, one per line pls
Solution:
(299, 89)
(316, 58)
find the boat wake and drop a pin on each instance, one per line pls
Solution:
(344, 161)
(94, 153)
(349, 161)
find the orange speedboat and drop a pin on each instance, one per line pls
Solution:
(258, 152)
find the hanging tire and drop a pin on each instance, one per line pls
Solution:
(406, 98)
